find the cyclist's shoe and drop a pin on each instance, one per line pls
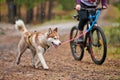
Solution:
(80, 40)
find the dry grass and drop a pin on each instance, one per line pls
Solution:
(113, 13)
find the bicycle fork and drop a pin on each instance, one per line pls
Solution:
(88, 41)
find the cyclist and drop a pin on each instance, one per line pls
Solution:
(83, 18)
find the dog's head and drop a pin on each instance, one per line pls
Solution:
(53, 37)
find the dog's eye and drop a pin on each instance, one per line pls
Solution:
(55, 38)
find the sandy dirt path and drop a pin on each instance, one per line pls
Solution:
(62, 64)
(60, 60)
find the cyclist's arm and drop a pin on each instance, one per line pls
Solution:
(78, 6)
(78, 1)
(104, 5)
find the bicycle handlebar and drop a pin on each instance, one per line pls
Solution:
(92, 9)
(88, 9)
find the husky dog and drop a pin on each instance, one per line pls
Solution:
(37, 42)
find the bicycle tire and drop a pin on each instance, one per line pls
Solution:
(74, 48)
(101, 42)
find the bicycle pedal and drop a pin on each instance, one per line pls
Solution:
(87, 48)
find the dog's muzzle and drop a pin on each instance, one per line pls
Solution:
(56, 44)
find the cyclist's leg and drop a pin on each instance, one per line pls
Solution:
(81, 25)
(80, 30)
(82, 22)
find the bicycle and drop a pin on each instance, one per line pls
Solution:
(94, 39)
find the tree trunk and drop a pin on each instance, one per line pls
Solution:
(50, 9)
(29, 15)
(42, 12)
(0, 15)
(11, 11)
(18, 11)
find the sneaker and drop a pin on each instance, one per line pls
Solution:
(80, 40)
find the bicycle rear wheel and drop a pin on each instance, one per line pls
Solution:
(77, 50)
(98, 49)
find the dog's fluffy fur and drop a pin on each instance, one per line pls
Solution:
(37, 42)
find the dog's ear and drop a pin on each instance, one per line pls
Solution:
(56, 29)
(49, 31)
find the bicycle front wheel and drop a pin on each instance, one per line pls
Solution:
(77, 50)
(98, 49)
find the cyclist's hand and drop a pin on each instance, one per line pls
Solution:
(104, 7)
(78, 6)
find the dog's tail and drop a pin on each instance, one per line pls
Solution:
(20, 26)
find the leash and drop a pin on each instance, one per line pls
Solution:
(89, 28)
(65, 42)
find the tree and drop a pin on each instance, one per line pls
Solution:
(50, 9)
(1, 1)
(11, 10)
(67, 4)
(41, 10)
(19, 4)
(30, 4)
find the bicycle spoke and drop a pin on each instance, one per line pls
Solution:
(99, 47)
(77, 50)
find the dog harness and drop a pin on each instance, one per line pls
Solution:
(28, 38)
(43, 45)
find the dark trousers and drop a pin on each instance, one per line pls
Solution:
(83, 17)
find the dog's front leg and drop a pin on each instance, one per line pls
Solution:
(40, 56)
(37, 63)
(40, 52)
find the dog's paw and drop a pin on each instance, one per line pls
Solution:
(36, 66)
(17, 62)
(46, 68)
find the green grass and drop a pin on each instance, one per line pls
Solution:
(113, 14)
(113, 41)
(2, 33)
(64, 15)
(113, 35)
(118, 6)
(113, 52)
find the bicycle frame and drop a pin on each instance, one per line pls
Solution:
(94, 40)
(96, 16)
(90, 25)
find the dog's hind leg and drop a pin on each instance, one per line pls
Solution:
(22, 46)
(33, 55)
